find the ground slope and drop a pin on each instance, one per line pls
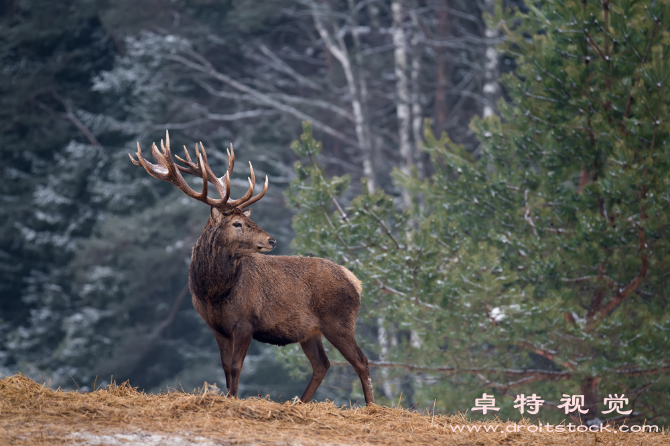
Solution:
(33, 414)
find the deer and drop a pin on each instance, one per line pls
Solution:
(243, 294)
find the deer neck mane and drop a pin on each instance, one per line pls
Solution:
(214, 269)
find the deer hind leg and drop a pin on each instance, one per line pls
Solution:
(345, 342)
(316, 354)
(226, 351)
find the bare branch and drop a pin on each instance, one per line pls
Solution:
(283, 67)
(71, 116)
(205, 67)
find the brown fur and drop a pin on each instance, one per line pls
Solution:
(242, 294)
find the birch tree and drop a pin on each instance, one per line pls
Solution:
(491, 89)
(402, 92)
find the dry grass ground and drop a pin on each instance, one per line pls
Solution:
(33, 414)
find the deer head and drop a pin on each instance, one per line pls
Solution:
(239, 233)
(234, 227)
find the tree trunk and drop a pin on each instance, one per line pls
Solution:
(383, 339)
(491, 88)
(443, 75)
(417, 109)
(589, 388)
(402, 94)
(369, 171)
(338, 49)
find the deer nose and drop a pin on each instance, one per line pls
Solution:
(272, 242)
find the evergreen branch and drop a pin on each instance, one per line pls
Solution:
(383, 225)
(642, 372)
(655, 417)
(595, 46)
(550, 355)
(525, 380)
(594, 306)
(341, 211)
(337, 236)
(643, 60)
(378, 282)
(541, 98)
(651, 39)
(388, 289)
(603, 277)
(541, 374)
(578, 279)
(633, 284)
(526, 214)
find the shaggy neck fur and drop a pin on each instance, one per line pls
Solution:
(214, 265)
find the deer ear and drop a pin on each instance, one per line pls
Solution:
(247, 212)
(216, 214)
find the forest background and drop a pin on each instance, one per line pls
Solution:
(522, 251)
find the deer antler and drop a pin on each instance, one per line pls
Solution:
(167, 170)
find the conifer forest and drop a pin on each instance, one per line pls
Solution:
(495, 172)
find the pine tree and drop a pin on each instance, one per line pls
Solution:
(541, 266)
(50, 52)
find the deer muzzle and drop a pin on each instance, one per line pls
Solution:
(271, 244)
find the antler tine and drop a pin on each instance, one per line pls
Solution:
(231, 159)
(204, 182)
(137, 163)
(203, 170)
(167, 170)
(225, 197)
(159, 170)
(257, 197)
(250, 191)
(214, 179)
(191, 167)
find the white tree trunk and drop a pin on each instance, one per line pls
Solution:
(362, 80)
(491, 88)
(338, 49)
(417, 110)
(402, 93)
(383, 339)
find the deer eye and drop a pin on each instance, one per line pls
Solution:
(237, 224)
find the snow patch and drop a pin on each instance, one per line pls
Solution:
(138, 439)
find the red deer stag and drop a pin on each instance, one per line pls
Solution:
(244, 295)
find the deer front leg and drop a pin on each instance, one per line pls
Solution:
(226, 351)
(242, 336)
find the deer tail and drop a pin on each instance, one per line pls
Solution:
(353, 280)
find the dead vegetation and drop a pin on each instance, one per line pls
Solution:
(34, 414)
